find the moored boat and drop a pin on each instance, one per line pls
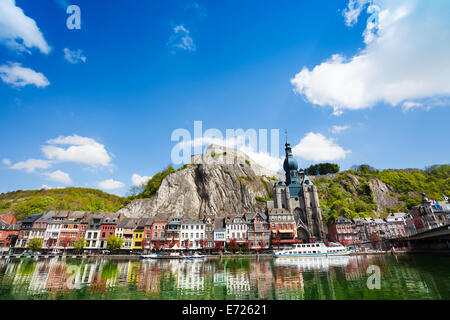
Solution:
(311, 250)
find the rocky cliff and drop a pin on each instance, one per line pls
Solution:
(206, 188)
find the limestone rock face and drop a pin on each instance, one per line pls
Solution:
(382, 195)
(217, 189)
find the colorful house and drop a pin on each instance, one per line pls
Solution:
(138, 236)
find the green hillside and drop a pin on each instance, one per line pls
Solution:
(24, 203)
(350, 195)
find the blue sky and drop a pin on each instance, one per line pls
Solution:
(135, 72)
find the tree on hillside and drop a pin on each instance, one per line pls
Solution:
(34, 244)
(322, 168)
(80, 244)
(114, 243)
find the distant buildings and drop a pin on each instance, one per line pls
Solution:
(431, 214)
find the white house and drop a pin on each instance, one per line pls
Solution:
(192, 230)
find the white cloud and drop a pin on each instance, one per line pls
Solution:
(58, 176)
(405, 58)
(6, 162)
(31, 165)
(181, 39)
(80, 149)
(200, 11)
(339, 129)
(45, 187)
(138, 180)
(74, 56)
(18, 31)
(111, 184)
(316, 147)
(18, 76)
(238, 142)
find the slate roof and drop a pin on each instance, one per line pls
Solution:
(128, 223)
(250, 216)
(219, 224)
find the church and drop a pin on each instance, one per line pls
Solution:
(296, 199)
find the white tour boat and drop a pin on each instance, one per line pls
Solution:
(311, 250)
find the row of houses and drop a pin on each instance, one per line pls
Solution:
(277, 227)
(429, 214)
(62, 229)
(359, 231)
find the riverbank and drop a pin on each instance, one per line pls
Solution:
(137, 256)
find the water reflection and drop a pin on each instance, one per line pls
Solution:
(405, 277)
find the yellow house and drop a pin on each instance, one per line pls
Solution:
(138, 236)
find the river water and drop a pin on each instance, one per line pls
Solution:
(336, 278)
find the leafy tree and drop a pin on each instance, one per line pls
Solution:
(114, 243)
(233, 245)
(187, 244)
(34, 244)
(322, 169)
(157, 245)
(80, 244)
(203, 243)
(155, 182)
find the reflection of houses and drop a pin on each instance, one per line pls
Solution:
(261, 275)
(258, 230)
(133, 272)
(238, 284)
(151, 274)
(288, 280)
(189, 276)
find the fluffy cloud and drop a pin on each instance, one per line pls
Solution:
(339, 129)
(74, 56)
(316, 147)
(31, 165)
(80, 149)
(405, 58)
(6, 162)
(18, 31)
(18, 76)
(138, 180)
(181, 39)
(58, 176)
(110, 184)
